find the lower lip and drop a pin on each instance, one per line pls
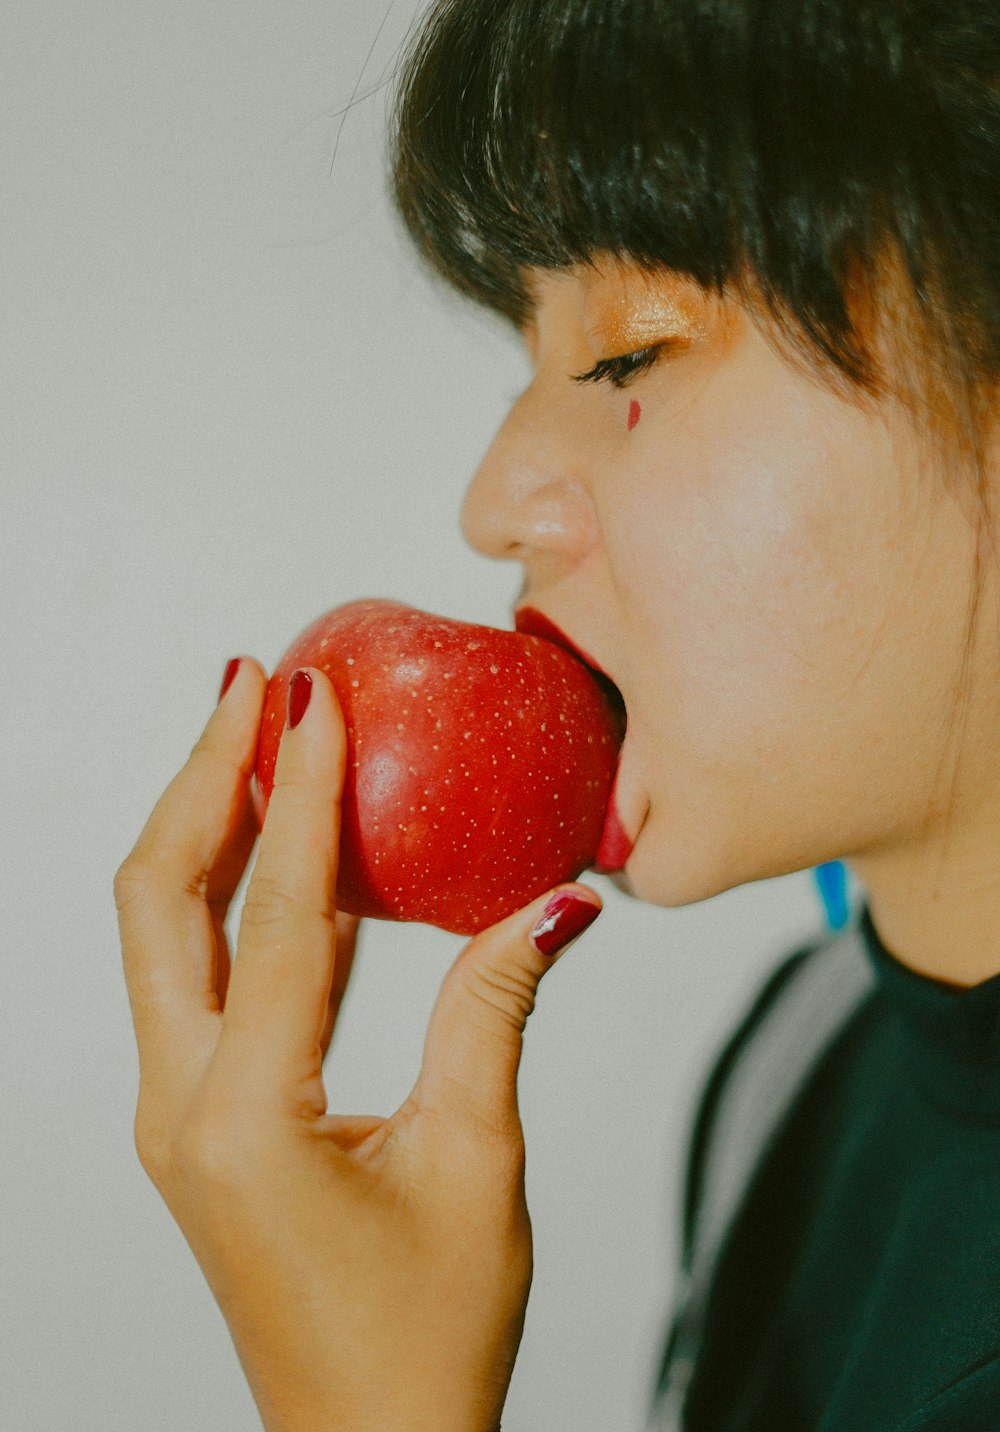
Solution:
(615, 847)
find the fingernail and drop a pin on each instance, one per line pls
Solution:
(300, 689)
(232, 667)
(565, 916)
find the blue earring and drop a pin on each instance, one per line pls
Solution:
(831, 881)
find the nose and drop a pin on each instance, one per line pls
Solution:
(531, 497)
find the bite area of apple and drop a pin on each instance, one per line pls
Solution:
(480, 761)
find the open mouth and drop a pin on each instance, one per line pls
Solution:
(530, 622)
(615, 845)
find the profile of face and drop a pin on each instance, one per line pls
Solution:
(776, 578)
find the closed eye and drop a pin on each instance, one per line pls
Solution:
(623, 370)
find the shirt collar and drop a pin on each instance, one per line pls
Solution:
(953, 1035)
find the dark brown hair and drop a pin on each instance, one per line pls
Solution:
(834, 164)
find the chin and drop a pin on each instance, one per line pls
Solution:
(657, 875)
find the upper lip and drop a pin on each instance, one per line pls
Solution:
(531, 622)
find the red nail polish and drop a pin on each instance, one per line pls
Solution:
(300, 689)
(232, 667)
(564, 917)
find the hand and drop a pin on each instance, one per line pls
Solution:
(374, 1272)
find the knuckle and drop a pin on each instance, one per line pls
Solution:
(132, 882)
(479, 1148)
(152, 1146)
(286, 780)
(210, 751)
(506, 992)
(496, 1164)
(268, 906)
(210, 1150)
(300, 797)
(507, 1159)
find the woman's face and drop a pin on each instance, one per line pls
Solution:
(776, 581)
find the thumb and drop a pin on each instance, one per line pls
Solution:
(475, 1036)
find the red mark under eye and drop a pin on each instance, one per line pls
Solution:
(634, 414)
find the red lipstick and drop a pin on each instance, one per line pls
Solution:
(614, 847)
(530, 622)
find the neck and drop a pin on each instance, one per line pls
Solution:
(936, 906)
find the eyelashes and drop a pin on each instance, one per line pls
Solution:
(626, 368)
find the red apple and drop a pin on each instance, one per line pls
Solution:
(479, 762)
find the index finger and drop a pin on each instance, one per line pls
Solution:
(279, 992)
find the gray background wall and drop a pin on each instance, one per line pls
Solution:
(230, 400)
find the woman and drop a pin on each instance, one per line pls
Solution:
(751, 248)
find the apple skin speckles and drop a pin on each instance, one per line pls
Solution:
(428, 705)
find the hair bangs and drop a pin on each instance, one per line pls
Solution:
(558, 139)
(803, 154)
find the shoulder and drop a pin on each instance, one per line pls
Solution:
(792, 1020)
(799, 1009)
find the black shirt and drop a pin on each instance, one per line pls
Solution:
(858, 1289)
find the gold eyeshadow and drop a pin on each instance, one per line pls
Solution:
(623, 313)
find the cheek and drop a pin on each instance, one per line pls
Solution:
(758, 572)
(793, 596)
